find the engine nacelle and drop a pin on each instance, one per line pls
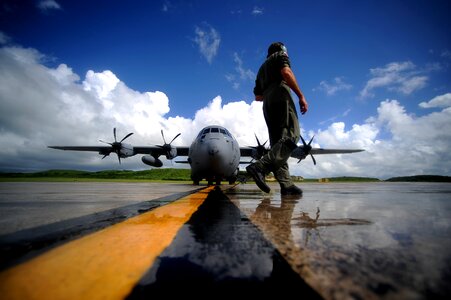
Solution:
(126, 150)
(152, 161)
(171, 153)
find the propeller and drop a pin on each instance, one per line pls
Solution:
(308, 148)
(260, 149)
(116, 146)
(170, 151)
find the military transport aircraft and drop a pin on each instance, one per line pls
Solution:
(214, 154)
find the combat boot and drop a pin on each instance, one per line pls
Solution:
(259, 177)
(291, 190)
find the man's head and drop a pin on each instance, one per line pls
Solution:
(276, 47)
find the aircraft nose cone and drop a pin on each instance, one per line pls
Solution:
(212, 151)
(213, 148)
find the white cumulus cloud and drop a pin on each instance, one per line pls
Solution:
(417, 145)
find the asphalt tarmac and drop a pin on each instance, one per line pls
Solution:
(137, 240)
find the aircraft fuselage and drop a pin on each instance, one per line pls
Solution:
(214, 155)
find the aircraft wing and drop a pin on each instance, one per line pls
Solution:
(152, 153)
(301, 152)
(154, 150)
(159, 150)
(182, 151)
(247, 151)
(100, 149)
(334, 151)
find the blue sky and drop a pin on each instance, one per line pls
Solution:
(364, 67)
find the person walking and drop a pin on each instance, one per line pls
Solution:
(273, 84)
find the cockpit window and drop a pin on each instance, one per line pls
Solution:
(215, 129)
(206, 130)
(222, 131)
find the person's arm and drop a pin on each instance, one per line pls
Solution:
(258, 91)
(290, 79)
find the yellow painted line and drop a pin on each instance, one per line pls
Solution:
(104, 265)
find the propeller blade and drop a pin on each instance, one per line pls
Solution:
(118, 156)
(258, 142)
(162, 134)
(260, 149)
(106, 142)
(126, 137)
(175, 138)
(307, 149)
(116, 146)
(303, 141)
(314, 161)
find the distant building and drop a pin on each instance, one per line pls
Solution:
(271, 178)
(297, 178)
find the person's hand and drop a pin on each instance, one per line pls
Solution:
(304, 106)
(258, 98)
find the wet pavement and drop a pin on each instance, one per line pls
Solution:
(361, 241)
(221, 250)
(30, 204)
(336, 241)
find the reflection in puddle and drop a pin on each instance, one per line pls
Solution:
(280, 219)
(304, 221)
(380, 241)
(283, 217)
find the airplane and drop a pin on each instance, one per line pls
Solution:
(214, 155)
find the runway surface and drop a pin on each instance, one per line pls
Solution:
(137, 240)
